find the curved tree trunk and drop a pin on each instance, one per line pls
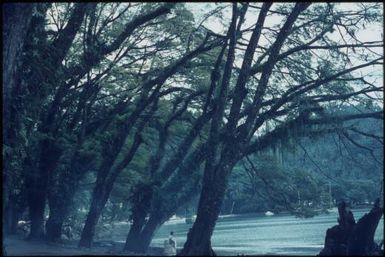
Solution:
(148, 233)
(98, 201)
(140, 209)
(132, 239)
(199, 238)
(185, 183)
(16, 19)
(141, 240)
(88, 231)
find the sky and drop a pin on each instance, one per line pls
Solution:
(372, 32)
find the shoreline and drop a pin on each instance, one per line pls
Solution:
(17, 245)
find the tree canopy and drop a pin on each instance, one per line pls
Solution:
(134, 110)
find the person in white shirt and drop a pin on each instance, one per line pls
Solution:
(170, 245)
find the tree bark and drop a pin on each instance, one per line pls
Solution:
(12, 214)
(38, 185)
(199, 239)
(49, 151)
(59, 206)
(98, 201)
(36, 214)
(352, 239)
(214, 186)
(16, 19)
(215, 174)
(54, 226)
(102, 190)
(141, 202)
(361, 241)
(148, 233)
(139, 238)
(161, 207)
(219, 163)
(60, 197)
(132, 240)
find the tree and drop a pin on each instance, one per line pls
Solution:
(297, 106)
(16, 19)
(179, 174)
(151, 92)
(48, 152)
(52, 53)
(143, 91)
(92, 56)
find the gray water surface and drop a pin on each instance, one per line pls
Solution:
(253, 235)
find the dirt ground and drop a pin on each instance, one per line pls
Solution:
(16, 245)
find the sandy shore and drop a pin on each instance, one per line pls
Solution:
(16, 245)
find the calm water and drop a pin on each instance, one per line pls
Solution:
(279, 234)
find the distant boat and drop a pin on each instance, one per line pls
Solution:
(175, 220)
(269, 213)
(334, 209)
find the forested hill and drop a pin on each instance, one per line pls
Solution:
(348, 164)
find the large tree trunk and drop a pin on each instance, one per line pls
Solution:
(99, 199)
(100, 196)
(60, 198)
(102, 190)
(37, 192)
(214, 186)
(141, 201)
(54, 226)
(361, 241)
(13, 214)
(350, 238)
(88, 231)
(38, 184)
(132, 239)
(148, 233)
(16, 19)
(139, 238)
(104, 184)
(36, 213)
(199, 239)
(59, 206)
(162, 208)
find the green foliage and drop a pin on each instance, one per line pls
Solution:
(80, 104)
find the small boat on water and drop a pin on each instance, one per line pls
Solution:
(175, 220)
(269, 213)
(333, 210)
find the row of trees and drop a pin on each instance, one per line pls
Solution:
(146, 93)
